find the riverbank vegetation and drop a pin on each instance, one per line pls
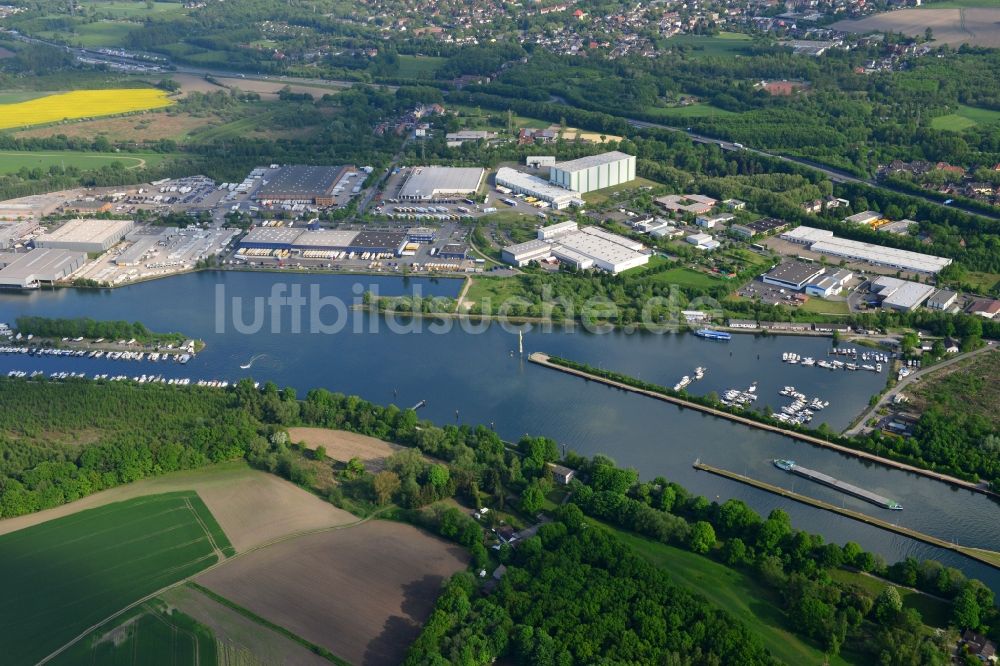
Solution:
(67, 439)
(90, 329)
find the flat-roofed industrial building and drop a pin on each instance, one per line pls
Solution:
(324, 239)
(85, 235)
(270, 238)
(301, 184)
(824, 242)
(595, 172)
(901, 295)
(584, 248)
(792, 274)
(378, 241)
(37, 267)
(435, 182)
(533, 186)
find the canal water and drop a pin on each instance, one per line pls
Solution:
(478, 377)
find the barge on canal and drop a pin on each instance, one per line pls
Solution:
(836, 484)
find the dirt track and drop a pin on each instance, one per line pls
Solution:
(362, 592)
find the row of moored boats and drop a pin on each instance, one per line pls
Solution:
(97, 354)
(139, 379)
(795, 359)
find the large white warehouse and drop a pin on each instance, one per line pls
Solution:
(824, 242)
(594, 172)
(86, 235)
(533, 186)
(589, 247)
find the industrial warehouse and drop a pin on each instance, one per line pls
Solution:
(824, 242)
(595, 172)
(589, 247)
(318, 185)
(85, 235)
(533, 186)
(267, 240)
(37, 267)
(436, 183)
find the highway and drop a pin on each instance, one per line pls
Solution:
(834, 175)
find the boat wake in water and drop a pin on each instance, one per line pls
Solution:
(249, 364)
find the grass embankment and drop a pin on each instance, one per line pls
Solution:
(697, 110)
(73, 572)
(732, 591)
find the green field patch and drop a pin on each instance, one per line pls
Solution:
(687, 277)
(134, 10)
(13, 161)
(734, 592)
(70, 573)
(699, 110)
(15, 96)
(98, 34)
(418, 67)
(824, 306)
(474, 118)
(964, 118)
(984, 283)
(934, 612)
(149, 635)
(723, 44)
(598, 197)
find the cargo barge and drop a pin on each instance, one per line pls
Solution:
(836, 484)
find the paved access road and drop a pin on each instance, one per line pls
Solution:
(860, 426)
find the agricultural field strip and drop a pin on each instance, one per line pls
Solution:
(178, 583)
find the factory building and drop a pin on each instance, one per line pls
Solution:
(378, 241)
(38, 267)
(302, 184)
(85, 235)
(454, 251)
(533, 186)
(435, 183)
(270, 238)
(595, 172)
(523, 254)
(135, 253)
(828, 284)
(703, 241)
(942, 299)
(793, 275)
(324, 239)
(901, 295)
(11, 233)
(538, 161)
(421, 235)
(824, 242)
(589, 247)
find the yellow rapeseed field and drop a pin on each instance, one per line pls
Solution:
(80, 104)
